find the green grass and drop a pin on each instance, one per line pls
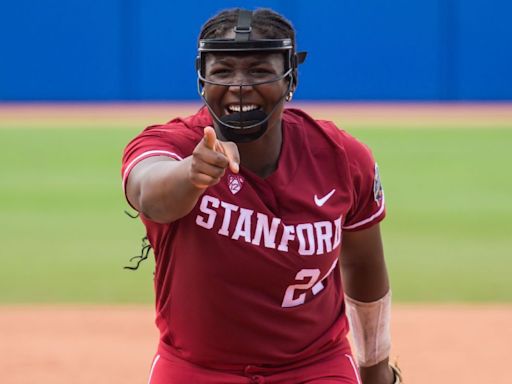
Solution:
(448, 234)
(65, 238)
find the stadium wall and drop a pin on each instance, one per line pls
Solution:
(144, 49)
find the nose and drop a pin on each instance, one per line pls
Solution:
(240, 89)
(241, 84)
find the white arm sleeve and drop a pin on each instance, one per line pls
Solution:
(370, 326)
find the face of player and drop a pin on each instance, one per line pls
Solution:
(239, 69)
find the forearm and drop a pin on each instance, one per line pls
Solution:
(368, 303)
(166, 192)
(370, 326)
(364, 281)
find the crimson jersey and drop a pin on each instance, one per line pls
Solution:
(249, 276)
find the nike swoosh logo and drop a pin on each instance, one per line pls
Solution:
(321, 201)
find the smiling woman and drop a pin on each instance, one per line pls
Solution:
(246, 204)
(265, 64)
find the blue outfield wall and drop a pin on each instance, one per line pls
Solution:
(358, 50)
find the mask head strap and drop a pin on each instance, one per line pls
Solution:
(243, 27)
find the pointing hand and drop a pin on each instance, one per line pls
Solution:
(210, 159)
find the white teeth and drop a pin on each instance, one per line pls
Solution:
(245, 108)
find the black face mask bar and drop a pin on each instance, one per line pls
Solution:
(246, 126)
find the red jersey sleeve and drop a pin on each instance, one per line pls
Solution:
(175, 139)
(368, 196)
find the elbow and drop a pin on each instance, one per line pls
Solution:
(154, 212)
(158, 210)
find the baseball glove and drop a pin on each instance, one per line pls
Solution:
(398, 374)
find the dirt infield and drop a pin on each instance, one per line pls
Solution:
(402, 115)
(114, 345)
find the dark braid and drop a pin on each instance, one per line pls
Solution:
(218, 25)
(268, 23)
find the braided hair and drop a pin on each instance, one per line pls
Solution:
(268, 23)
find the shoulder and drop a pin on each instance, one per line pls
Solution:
(176, 139)
(181, 133)
(319, 130)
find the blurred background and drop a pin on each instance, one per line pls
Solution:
(427, 84)
(79, 79)
(144, 50)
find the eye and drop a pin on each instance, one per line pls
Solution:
(220, 72)
(264, 71)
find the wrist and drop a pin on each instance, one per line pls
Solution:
(370, 328)
(378, 373)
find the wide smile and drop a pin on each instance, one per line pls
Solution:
(235, 108)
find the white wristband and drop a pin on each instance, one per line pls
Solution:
(370, 326)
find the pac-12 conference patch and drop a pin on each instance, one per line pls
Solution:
(235, 183)
(378, 193)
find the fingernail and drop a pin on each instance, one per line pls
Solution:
(236, 167)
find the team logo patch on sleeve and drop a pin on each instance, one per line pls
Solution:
(235, 183)
(378, 193)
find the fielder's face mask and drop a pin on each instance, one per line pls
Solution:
(246, 125)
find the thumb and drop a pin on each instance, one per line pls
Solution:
(210, 137)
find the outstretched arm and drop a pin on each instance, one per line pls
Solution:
(365, 281)
(165, 190)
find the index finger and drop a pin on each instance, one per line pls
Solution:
(210, 137)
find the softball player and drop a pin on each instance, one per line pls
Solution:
(249, 208)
